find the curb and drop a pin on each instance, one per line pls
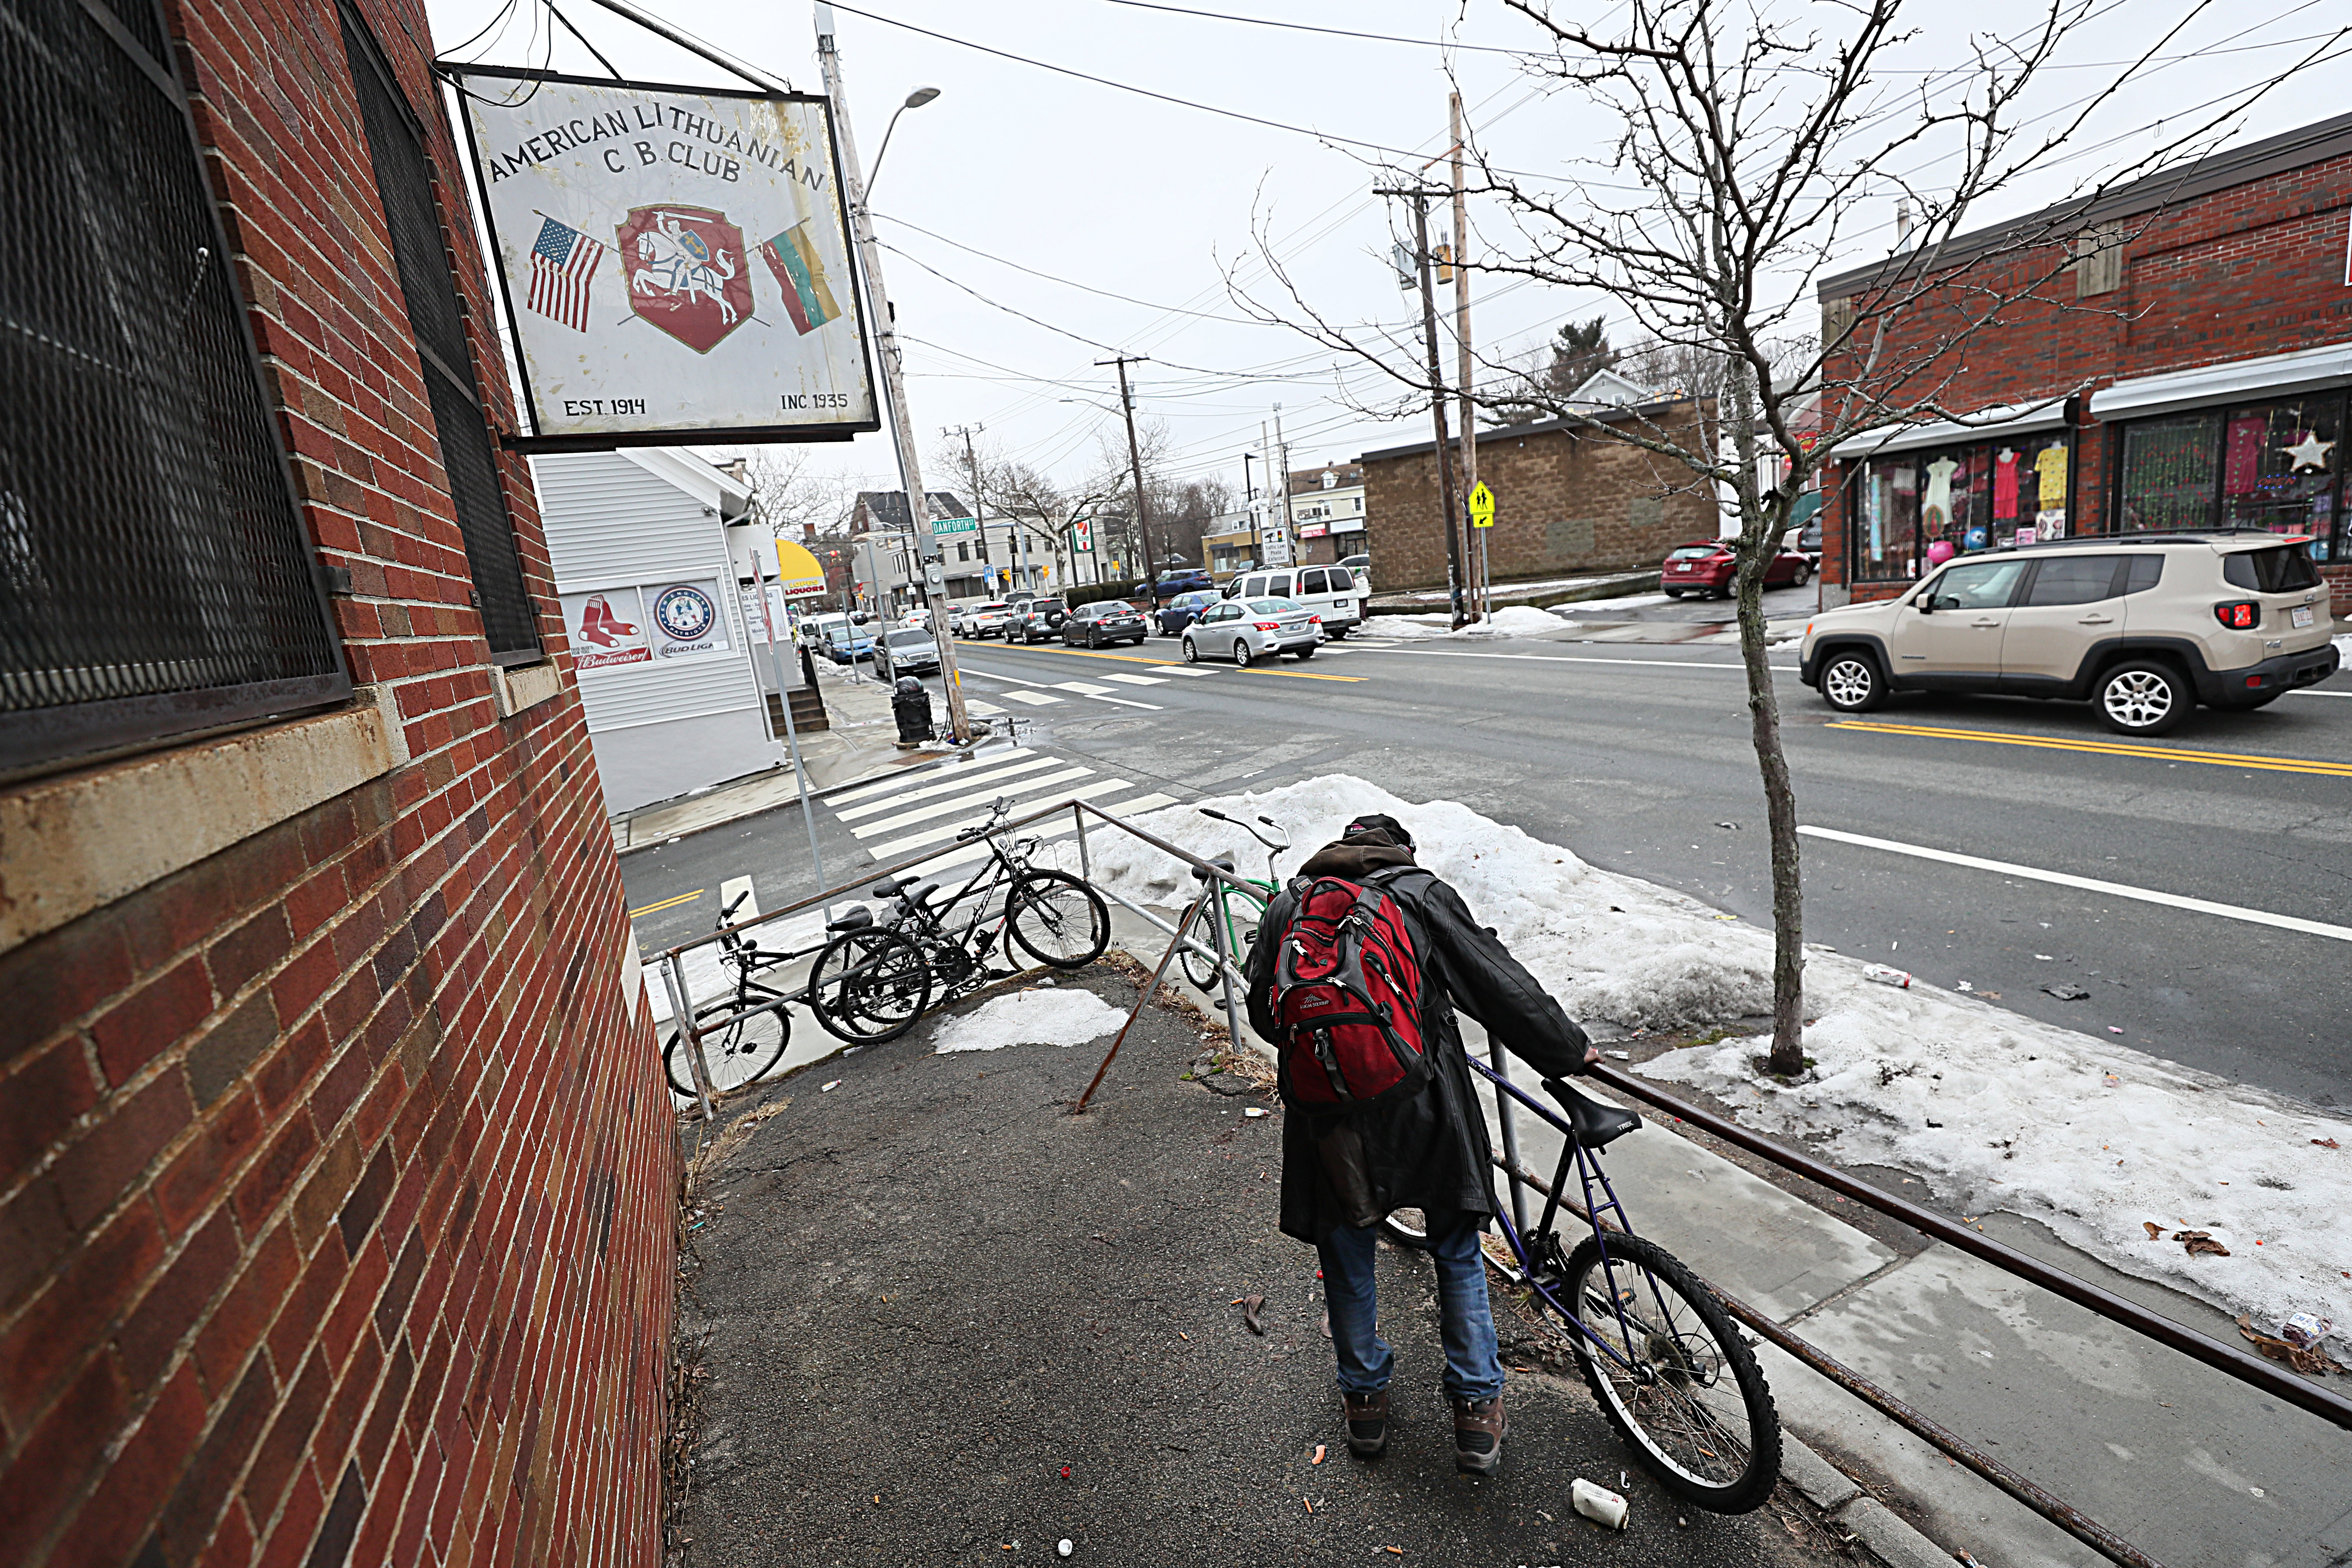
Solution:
(1863, 1518)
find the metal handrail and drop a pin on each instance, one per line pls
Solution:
(2268, 1376)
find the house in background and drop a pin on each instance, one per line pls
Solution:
(1326, 512)
(651, 549)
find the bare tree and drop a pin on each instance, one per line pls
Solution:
(1749, 132)
(1577, 353)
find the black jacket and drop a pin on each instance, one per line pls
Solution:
(1429, 1152)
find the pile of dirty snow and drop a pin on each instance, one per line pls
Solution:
(1510, 621)
(1057, 1016)
(1592, 607)
(2095, 1140)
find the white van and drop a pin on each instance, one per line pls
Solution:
(1331, 591)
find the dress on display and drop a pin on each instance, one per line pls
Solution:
(2004, 486)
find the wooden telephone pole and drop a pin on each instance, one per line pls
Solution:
(1420, 199)
(1135, 458)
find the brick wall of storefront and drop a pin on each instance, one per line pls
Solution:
(1566, 501)
(337, 1174)
(2242, 257)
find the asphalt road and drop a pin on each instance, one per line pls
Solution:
(1638, 758)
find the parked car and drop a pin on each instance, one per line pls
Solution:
(1186, 580)
(816, 630)
(988, 619)
(908, 650)
(848, 644)
(1104, 621)
(1244, 630)
(1362, 565)
(1328, 592)
(1179, 612)
(1039, 620)
(2143, 627)
(1805, 541)
(1703, 567)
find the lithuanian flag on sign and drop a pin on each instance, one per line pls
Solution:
(791, 257)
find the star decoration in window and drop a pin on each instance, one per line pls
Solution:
(2311, 452)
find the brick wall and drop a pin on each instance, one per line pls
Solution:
(1564, 502)
(336, 1172)
(2244, 272)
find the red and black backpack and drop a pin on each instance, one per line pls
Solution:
(1346, 998)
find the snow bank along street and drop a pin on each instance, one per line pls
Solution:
(2097, 1141)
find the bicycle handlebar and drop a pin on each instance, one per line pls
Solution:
(1284, 842)
(729, 913)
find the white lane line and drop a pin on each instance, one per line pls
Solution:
(1035, 699)
(1586, 658)
(1016, 681)
(1179, 669)
(1083, 687)
(898, 846)
(1123, 702)
(926, 776)
(2307, 691)
(969, 803)
(1136, 680)
(933, 785)
(2088, 884)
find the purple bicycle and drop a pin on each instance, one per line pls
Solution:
(1672, 1373)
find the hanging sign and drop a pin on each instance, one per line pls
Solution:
(675, 261)
(1482, 507)
(1082, 534)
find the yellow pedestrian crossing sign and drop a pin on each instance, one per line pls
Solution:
(1482, 507)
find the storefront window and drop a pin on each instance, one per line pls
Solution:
(2271, 466)
(1922, 509)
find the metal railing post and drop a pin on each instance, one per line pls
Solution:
(673, 979)
(1224, 961)
(1510, 1136)
(1086, 867)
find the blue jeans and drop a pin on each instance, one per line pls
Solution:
(1471, 1370)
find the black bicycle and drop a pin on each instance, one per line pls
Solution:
(867, 984)
(1672, 1373)
(1051, 916)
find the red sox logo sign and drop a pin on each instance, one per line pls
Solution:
(686, 273)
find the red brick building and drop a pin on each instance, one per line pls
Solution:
(337, 1174)
(1567, 499)
(2189, 368)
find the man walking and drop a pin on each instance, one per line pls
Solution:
(1344, 1169)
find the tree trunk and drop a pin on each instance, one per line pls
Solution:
(1759, 542)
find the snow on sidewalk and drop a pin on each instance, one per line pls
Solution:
(1052, 1016)
(2000, 1111)
(1510, 621)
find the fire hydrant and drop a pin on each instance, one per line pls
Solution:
(910, 704)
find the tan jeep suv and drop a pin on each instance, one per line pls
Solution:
(2143, 626)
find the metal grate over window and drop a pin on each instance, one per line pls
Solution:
(154, 575)
(404, 177)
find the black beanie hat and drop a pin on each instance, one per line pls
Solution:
(1376, 822)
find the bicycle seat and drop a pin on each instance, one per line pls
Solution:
(1222, 862)
(887, 888)
(1594, 1124)
(921, 893)
(854, 919)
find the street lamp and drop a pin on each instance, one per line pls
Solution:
(914, 100)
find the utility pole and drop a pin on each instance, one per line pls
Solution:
(894, 378)
(1135, 458)
(1419, 198)
(1483, 606)
(979, 512)
(1281, 488)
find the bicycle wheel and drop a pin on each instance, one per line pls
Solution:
(868, 986)
(1406, 1227)
(1199, 968)
(1057, 920)
(742, 1052)
(1691, 1400)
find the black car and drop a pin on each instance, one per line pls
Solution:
(1104, 621)
(1039, 620)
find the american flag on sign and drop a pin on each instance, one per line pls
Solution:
(560, 266)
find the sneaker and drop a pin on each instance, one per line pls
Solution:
(1479, 1427)
(1367, 1422)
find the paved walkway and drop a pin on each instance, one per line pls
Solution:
(944, 1321)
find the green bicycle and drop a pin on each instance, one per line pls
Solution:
(1197, 942)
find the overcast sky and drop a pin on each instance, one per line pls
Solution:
(1101, 194)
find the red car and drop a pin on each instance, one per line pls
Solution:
(1703, 567)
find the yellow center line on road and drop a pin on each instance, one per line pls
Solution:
(2104, 748)
(1139, 658)
(667, 904)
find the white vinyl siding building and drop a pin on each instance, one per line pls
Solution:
(656, 620)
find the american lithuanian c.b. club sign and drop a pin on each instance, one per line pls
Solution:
(676, 260)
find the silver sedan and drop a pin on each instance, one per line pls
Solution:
(1243, 630)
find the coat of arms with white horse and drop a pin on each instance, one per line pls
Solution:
(686, 273)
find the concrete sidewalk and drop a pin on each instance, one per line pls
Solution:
(933, 1318)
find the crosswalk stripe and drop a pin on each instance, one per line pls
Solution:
(1179, 669)
(927, 776)
(1035, 699)
(1083, 687)
(932, 785)
(965, 854)
(984, 710)
(970, 803)
(1128, 680)
(898, 846)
